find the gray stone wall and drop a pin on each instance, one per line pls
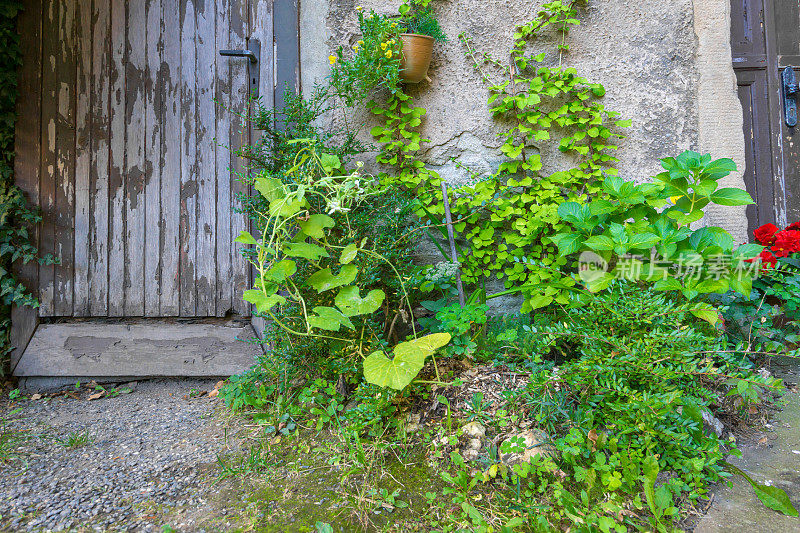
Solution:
(665, 65)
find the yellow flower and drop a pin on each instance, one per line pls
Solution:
(394, 24)
(360, 42)
(384, 45)
(388, 54)
(332, 59)
(359, 8)
(355, 47)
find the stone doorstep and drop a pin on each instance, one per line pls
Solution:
(126, 352)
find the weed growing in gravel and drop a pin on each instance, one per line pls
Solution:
(10, 438)
(76, 439)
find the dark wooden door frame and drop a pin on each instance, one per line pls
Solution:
(283, 53)
(758, 32)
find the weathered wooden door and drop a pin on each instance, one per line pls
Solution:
(128, 123)
(765, 39)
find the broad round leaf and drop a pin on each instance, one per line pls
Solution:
(316, 224)
(324, 279)
(352, 304)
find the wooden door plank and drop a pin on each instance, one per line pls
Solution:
(65, 160)
(47, 192)
(153, 123)
(224, 116)
(205, 227)
(239, 137)
(83, 159)
(171, 157)
(116, 186)
(188, 208)
(135, 67)
(99, 169)
(27, 159)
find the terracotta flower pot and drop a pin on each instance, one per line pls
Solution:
(415, 57)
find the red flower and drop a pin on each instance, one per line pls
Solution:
(786, 243)
(795, 226)
(766, 234)
(767, 259)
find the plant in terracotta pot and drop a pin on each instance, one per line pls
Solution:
(373, 63)
(420, 30)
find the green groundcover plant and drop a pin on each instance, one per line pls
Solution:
(623, 366)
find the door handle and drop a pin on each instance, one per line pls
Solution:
(790, 96)
(253, 55)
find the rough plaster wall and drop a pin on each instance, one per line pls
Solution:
(643, 53)
(665, 64)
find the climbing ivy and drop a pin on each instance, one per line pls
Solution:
(507, 219)
(15, 215)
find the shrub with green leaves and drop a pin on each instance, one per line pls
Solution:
(643, 232)
(504, 220)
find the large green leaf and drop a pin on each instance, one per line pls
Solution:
(270, 188)
(262, 301)
(731, 196)
(309, 251)
(329, 319)
(281, 271)
(348, 254)
(409, 358)
(352, 304)
(286, 207)
(567, 243)
(773, 497)
(316, 224)
(245, 238)
(706, 312)
(428, 344)
(324, 279)
(719, 168)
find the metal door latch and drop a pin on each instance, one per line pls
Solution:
(253, 54)
(790, 96)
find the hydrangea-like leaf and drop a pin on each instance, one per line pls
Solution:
(352, 304)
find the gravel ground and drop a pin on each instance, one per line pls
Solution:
(148, 458)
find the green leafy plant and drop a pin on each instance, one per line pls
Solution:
(505, 219)
(16, 216)
(628, 222)
(373, 63)
(422, 21)
(297, 250)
